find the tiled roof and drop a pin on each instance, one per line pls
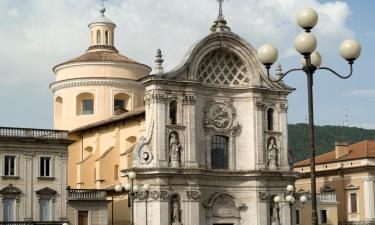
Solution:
(360, 150)
(113, 119)
(103, 54)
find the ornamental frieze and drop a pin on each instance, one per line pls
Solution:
(193, 195)
(189, 99)
(155, 97)
(162, 195)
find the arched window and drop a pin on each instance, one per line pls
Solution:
(270, 122)
(121, 101)
(58, 107)
(219, 152)
(98, 37)
(173, 112)
(106, 38)
(85, 104)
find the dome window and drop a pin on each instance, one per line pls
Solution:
(98, 37)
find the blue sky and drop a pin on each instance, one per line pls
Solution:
(38, 34)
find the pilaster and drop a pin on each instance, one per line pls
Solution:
(368, 184)
(29, 186)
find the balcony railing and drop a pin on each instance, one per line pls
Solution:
(32, 223)
(86, 194)
(33, 133)
(322, 197)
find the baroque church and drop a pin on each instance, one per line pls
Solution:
(210, 136)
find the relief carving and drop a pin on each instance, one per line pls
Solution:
(219, 116)
(155, 97)
(193, 195)
(189, 99)
(143, 152)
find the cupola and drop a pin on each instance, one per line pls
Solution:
(102, 31)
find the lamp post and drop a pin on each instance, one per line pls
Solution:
(305, 43)
(131, 189)
(288, 197)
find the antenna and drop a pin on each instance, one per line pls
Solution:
(346, 120)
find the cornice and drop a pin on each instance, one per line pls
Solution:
(90, 81)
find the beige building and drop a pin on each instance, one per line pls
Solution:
(348, 171)
(33, 175)
(99, 99)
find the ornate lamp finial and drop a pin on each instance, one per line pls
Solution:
(159, 62)
(279, 71)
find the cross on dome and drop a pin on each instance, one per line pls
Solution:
(102, 10)
(220, 23)
(221, 15)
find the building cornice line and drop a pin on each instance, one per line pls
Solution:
(90, 81)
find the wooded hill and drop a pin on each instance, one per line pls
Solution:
(325, 137)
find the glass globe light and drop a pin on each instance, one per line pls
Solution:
(128, 187)
(289, 198)
(305, 43)
(65, 223)
(290, 188)
(135, 188)
(350, 50)
(267, 54)
(315, 58)
(132, 175)
(307, 18)
(277, 199)
(303, 199)
(118, 188)
(146, 187)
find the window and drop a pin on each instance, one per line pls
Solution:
(323, 216)
(45, 209)
(106, 37)
(219, 152)
(98, 37)
(9, 165)
(270, 125)
(87, 106)
(353, 203)
(119, 103)
(45, 167)
(173, 112)
(9, 207)
(298, 219)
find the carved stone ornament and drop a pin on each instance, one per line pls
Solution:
(155, 97)
(143, 152)
(220, 116)
(162, 195)
(283, 107)
(189, 99)
(193, 195)
(155, 195)
(264, 195)
(141, 195)
(260, 105)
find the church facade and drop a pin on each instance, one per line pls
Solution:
(215, 147)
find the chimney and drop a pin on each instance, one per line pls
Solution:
(341, 148)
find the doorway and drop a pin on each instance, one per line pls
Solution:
(83, 218)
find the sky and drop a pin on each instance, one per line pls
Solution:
(35, 35)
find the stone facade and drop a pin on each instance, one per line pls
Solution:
(216, 139)
(26, 186)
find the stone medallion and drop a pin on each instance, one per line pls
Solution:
(219, 115)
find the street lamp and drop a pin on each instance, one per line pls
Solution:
(288, 197)
(131, 189)
(305, 43)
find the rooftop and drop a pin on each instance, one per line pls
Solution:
(360, 150)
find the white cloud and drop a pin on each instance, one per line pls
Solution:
(362, 93)
(38, 34)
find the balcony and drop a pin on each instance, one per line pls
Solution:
(32, 133)
(86, 194)
(32, 223)
(329, 197)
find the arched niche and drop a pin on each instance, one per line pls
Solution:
(58, 107)
(121, 100)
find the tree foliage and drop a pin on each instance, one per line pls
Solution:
(325, 137)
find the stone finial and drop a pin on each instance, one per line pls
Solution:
(159, 62)
(220, 24)
(279, 71)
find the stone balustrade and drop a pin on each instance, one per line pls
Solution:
(33, 133)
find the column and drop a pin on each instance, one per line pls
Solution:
(368, 184)
(28, 173)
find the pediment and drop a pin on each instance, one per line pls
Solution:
(46, 191)
(10, 190)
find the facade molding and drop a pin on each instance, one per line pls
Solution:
(78, 82)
